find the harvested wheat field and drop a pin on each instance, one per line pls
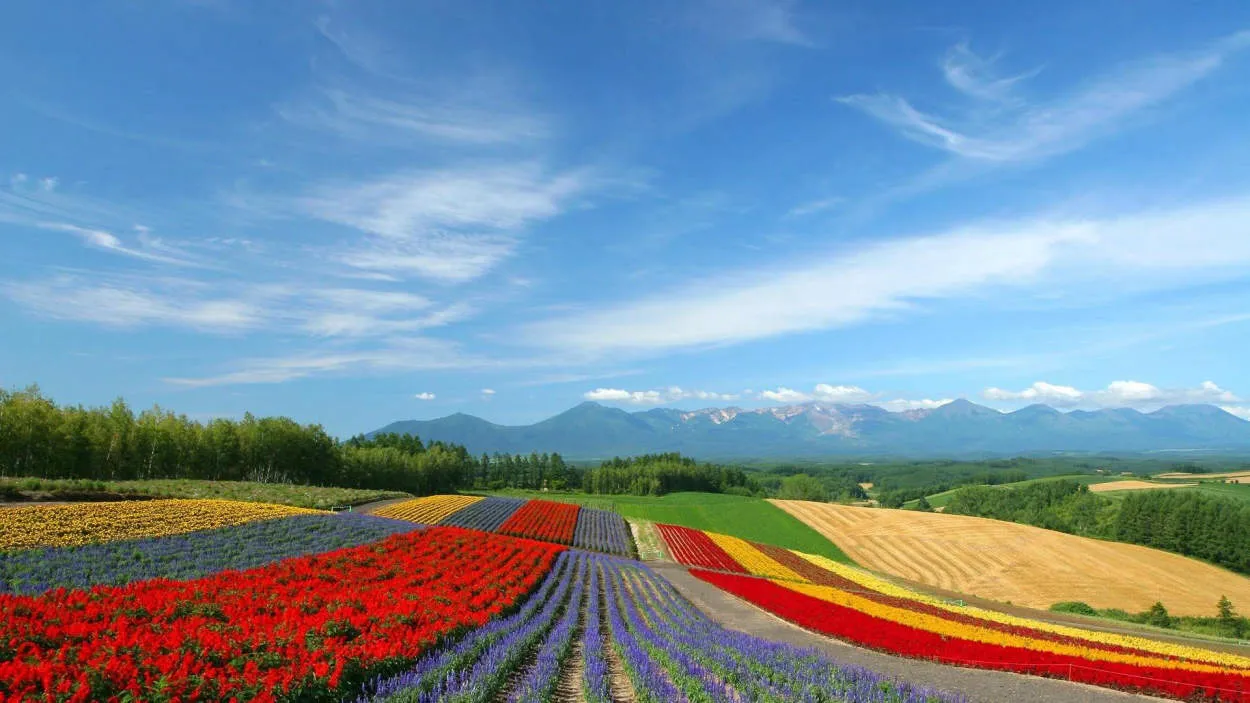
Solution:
(1026, 565)
(1230, 474)
(1134, 486)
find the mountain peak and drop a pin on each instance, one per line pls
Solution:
(962, 407)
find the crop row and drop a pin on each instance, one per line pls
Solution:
(627, 623)
(310, 628)
(192, 555)
(545, 520)
(29, 527)
(853, 605)
(563, 523)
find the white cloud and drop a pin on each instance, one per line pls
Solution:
(49, 184)
(667, 395)
(815, 206)
(1147, 250)
(488, 392)
(1240, 411)
(400, 122)
(1040, 392)
(1037, 131)
(1116, 394)
(785, 395)
(17, 179)
(150, 248)
(451, 225)
(424, 396)
(840, 394)
(900, 404)
(977, 76)
(112, 305)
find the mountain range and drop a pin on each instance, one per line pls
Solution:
(957, 429)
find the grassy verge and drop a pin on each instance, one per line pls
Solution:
(752, 519)
(1235, 628)
(42, 489)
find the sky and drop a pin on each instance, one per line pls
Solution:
(352, 213)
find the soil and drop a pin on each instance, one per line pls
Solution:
(980, 686)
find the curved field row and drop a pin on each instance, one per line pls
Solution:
(886, 616)
(28, 527)
(429, 510)
(1109, 486)
(562, 523)
(1026, 565)
(191, 555)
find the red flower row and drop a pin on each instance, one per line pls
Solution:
(545, 520)
(861, 628)
(319, 622)
(695, 548)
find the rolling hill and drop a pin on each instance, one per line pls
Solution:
(960, 428)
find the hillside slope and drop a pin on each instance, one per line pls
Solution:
(1026, 565)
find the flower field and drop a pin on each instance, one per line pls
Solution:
(190, 555)
(854, 605)
(309, 627)
(545, 520)
(32, 526)
(627, 623)
(429, 510)
(562, 523)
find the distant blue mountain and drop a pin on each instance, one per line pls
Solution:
(957, 429)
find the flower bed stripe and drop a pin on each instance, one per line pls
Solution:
(301, 628)
(695, 548)
(429, 510)
(603, 531)
(863, 581)
(753, 560)
(191, 555)
(545, 520)
(28, 527)
(857, 626)
(486, 514)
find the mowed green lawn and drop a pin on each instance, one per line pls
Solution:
(753, 519)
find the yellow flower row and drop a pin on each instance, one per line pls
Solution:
(880, 585)
(33, 526)
(752, 559)
(429, 510)
(974, 633)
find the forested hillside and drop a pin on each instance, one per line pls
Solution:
(1190, 523)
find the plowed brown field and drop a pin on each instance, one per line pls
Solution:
(1230, 474)
(1026, 565)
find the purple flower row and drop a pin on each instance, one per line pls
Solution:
(487, 515)
(603, 531)
(669, 651)
(191, 555)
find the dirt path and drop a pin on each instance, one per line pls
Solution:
(569, 688)
(979, 685)
(620, 688)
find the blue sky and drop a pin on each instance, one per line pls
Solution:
(357, 212)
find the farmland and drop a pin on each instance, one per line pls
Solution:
(318, 497)
(1025, 565)
(320, 606)
(854, 605)
(749, 518)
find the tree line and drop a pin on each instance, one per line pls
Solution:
(41, 439)
(1210, 528)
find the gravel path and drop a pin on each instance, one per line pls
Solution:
(981, 686)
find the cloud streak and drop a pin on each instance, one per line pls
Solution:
(1144, 251)
(1034, 131)
(1116, 394)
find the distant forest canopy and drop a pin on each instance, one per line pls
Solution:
(40, 439)
(1211, 528)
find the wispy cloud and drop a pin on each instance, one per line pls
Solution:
(814, 206)
(773, 21)
(1143, 251)
(1029, 131)
(656, 396)
(425, 396)
(449, 225)
(149, 249)
(113, 305)
(1116, 394)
